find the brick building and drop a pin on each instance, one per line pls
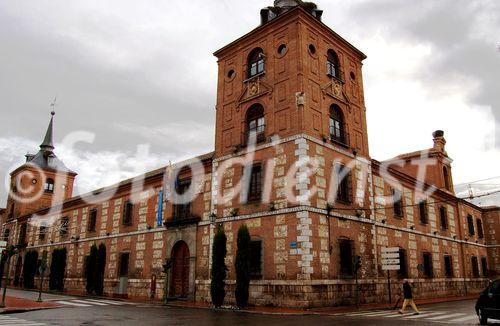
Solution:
(292, 162)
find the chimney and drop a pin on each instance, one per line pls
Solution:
(439, 141)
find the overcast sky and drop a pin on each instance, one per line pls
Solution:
(142, 72)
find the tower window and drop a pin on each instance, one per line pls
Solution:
(397, 198)
(6, 235)
(49, 185)
(422, 208)
(443, 214)
(255, 186)
(41, 232)
(403, 270)
(446, 176)
(256, 63)
(427, 258)
(255, 259)
(333, 65)
(343, 177)
(128, 213)
(448, 266)
(479, 225)
(182, 210)
(337, 125)
(282, 49)
(64, 226)
(255, 123)
(312, 49)
(346, 248)
(475, 266)
(92, 220)
(484, 266)
(470, 225)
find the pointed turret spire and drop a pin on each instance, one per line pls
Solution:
(48, 144)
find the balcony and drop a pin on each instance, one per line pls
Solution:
(335, 72)
(182, 215)
(341, 138)
(256, 135)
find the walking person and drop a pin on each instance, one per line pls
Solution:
(408, 296)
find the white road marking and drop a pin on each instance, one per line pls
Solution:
(464, 319)
(118, 303)
(70, 303)
(88, 302)
(446, 316)
(426, 314)
(7, 320)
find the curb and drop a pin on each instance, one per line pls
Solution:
(268, 313)
(22, 310)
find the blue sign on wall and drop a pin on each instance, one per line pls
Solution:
(159, 214)
(293, 245)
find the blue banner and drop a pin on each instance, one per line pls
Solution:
(159, 214)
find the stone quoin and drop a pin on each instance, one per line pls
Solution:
(290, 96)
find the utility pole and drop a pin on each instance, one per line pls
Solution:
(42, 269)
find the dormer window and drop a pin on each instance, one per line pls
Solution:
(49, 185)
(337, 125)
(256, 63)
(255, 123)
(333, 64)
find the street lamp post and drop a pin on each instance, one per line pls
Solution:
(42, 269)
(9, 251)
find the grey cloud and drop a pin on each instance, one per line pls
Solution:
(464, 36)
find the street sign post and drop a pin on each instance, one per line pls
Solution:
(390, 262)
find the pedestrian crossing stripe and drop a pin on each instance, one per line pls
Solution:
(91, 302)
(430, 315)
(8, 320)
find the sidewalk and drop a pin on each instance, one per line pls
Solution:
(14, 304)
(315, 311)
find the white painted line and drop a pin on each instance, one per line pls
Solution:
(73, 304)
(446, 316)
(118, 303)
(88, 302)
(426, 314)
(373, 314)
(473, 317)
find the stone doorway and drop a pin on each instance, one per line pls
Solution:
(180, 270)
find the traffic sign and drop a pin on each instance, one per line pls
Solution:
(390, 261)
(390, 249)
(390, 255)
(391, 267)
(3, 244)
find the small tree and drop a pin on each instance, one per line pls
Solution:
(29, 269)
(90, 264)
(99, 269)
(57, 269)
(219, 269)
(242, 266)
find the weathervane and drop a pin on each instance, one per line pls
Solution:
(53, 106)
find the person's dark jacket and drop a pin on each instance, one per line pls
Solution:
(407, 291)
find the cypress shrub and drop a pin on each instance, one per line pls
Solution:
(29, 269)
(100, 266)
(57, 269)
(219, 269)
(90, 266)
(242, 266)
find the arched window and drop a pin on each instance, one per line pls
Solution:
(337, 125)
(446, 176)
(255, 62)
(49, 185)
(255, 122)
(333, 64)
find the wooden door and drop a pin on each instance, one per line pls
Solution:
(180, 270)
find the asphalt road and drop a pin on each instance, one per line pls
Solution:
(105, 312)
